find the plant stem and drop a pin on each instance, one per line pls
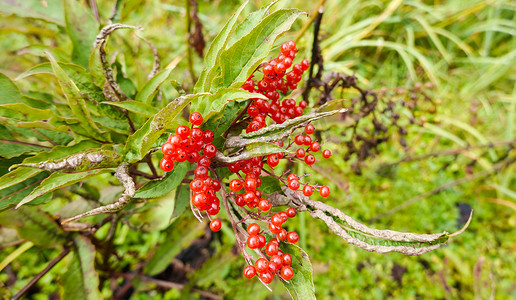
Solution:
(31, 283)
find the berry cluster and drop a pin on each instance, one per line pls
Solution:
(187, 145)
(276, 80)
(278, 260)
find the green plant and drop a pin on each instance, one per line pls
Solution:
(101, 130)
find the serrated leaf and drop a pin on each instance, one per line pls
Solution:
(34, 225)
(76, 101)
(214, 51)
(241, 60)
(142, 140)
(135, 107)
(158, 188)
(270, 185)
(179, 236)
(151, 87)
(82, 29)
(212, 104)
(9, 92)
(50, 11)
(301, 286)
(81, 281)
(59, 180)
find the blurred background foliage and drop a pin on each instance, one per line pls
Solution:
(462, 54)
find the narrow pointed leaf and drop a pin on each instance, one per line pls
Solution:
(301, 286)
(9, 92)
(135, 107)
(76, 101)
(212, 104)
(34, 225)
(151, 87)
(50, 11)
(81, 281)
(59, 180)
(242, 59)
(82, 29)
(158, 188)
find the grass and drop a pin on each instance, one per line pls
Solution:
(464, 48)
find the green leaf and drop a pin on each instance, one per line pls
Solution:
(158, 188)
(95, 66)
(270, 185)
(10, 148)
(250, 22)
(23, 112)
(213, 55)
(140, 142)
(34, 225)
(212, 104)
(81, 281)
(9, 92)
(179, 236)
(59, 152)
(263, 149)
(221, 121)
(241, 60)
(135, 107)
(82, 29)
(59, 180)
(151, 87)
(17, 176)
(10, 196)
(301, 286)
(76, 101)
(50, 11)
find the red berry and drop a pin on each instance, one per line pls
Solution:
(310, 159)
(253, 242)
(168, 149)
(292, 177)
(271, 249)
(315, 147)
(292, 237)
(294, 184)
(324, 191)
(283, 216)
(261, 265)
(204, 161)
(196, 134)
(239, 200)
(303, 104)
(266, 277)
(309, 129)
(235, 185)
(326, 153)
(264, 205)
(287, 273)
(300, 152)
(249, 272)
(299, 140)
(166, 165)
(195, 118)
(307, 141)
(208, 136)
(274, 229)
(276, 220)
(183, 131)
(291, 212)
(201, 172)
(250, 184)
(272, 160)
(193, 157)
(305, 64)
(282, 235)
(210, 150)
(308, 190)
(253, 229)
(262, 241)
(215, 185)
(287, 259)
(215, 225)
(196, 185)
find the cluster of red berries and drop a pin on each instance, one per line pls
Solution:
(276, 80)
(187, 145)
(278, 262)
(252, 168)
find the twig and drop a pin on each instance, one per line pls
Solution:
(476, 176)
(316, 53)
(31, 283)
(512, 143)
(24, 143)
(94, 8)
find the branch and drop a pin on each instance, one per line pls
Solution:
(31, 283)
(122, 173)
